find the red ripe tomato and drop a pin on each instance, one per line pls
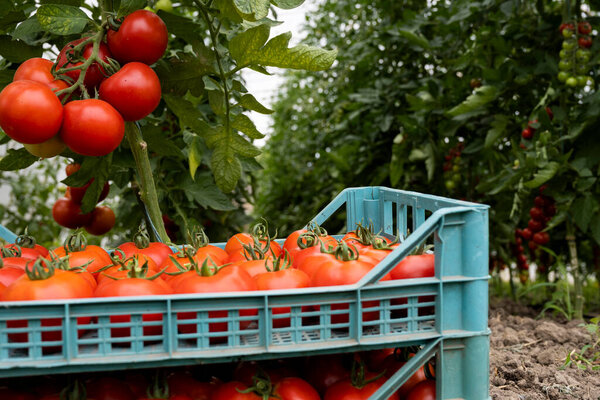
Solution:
(323, 371)
(95, 73)
(159, 252)
(344, 390)
(141, 37)
(234, 244)
(526, 234)
(391, 364)
(14, 395)
(92, 127)
(30, 112)
(106, 388)
(541, 238)
(564, 26)
(217, 254)
(537, 213)
(288, 278)
(134, 91)
(231, 391)
(39, 70)
(311, 263)
(16, 262)
(134, 287)
(103, 219)
(535, 225)
(68, 214)
(183, 384)
(10, 274)
(527, 133)
(291, 242)
(94, 257)
(227, 279)
(424, 390)
(293, 388)
(415, 266)
(585, 42)
(77, 193)
(584, 28)
(255, 267)
(26, 252)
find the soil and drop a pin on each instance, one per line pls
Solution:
(527, 355)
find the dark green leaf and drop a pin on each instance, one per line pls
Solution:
(189, 115)
(216, 99)
(414, 38)
(17, 51)
(4, 138)
(184, 28)
(595, 227)
(17, 159)
(207, 194)
(479, 98)
(249, 102)
(195, 156)
(10, 20)
(177, 76)
(582, 209)
(543, 175)
(160, 143)
(228, 10)
(249, 164)
(129, 6)
(62, 20)
(252, 10)
(89, 168)
(6, 77)
(76, 3)
(226, 168)
(497, 131)
(27, 30)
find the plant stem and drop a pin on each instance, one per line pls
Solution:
(148, 194)
(575, 270)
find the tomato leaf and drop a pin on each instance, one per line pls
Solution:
(6, 77)
(413, 38)
(160, 144)
(249, 102)
(243, 124)
(543, 175)
(10, 19)
(184, 28)
(17, 159)
(18, 51)
(480, 97)
(177, 76)
(595, 227)
(244, 46)
(226, 168)
(243, 147)
(206, 193)
(4, 138)
(129, 6)
(27, 30)
(216, 100)
(498, 129)
(188, 114)
(62, 20)
(581, 211)
(252, 10)
(194, 156)
(228, 10)
(287, 4)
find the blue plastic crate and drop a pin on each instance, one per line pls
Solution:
(446, 314)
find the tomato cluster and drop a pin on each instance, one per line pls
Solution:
(543, 210)
(67, 210)
(528, 132)
(452, 166)
(331, 377)
(48, 107)
(575, 54)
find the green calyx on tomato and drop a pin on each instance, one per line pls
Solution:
(280, 263)
(12, 251)
(198, 238)
(358, 376)
(345, 252)
(40, 270)
(135, 270)
(75, 242)
(261, 385)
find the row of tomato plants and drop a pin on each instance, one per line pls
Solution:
(330, 377)
(249, 261)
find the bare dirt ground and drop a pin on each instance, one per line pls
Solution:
(527, 354)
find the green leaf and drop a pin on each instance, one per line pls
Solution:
(160, 143)
(243, 147)
(6, 77)
(244, 46)
(207, 194)
(67, 2)
(177, 76)
(480, 97)
(497, 131)
(250, 164)
(216, 99)
(189, 115)
(243, 124)
(287, 4)
(581, 210)
(595, 227)
(61, 19)
(186, 29)
(17, 159)
(18, 51)
(228, 10)
(195, 156)
(89, 167)
(10, 19)
(226, 168)
(543, 175)
(27, 29)
(414, 38)
(249, 102)
(276, 54)
(129, 6)
(252, 10)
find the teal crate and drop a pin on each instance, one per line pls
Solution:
(446, 314)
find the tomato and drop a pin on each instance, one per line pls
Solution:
(121, 271)
(134, 91)
(77, 193)
(39, 70)
(226, 279)
(134, 287)
(106, 388)
(164, 5)
(255, 267)
(231, 391)
(527, 133)
(31, 254)
(311, 263)
(141, 37)
(374, 358)
(584, 28)
(286, 278)
(94, 74)
(526, 234)
(535, 225)
(344, 390)
(48, 149)
(216, 254)
(415, 266)
(183, 384)
(46, 283)
(68, 214)
(293, 388)
(323, 371)
(235, 243)
(585, 42)
(103, 219)
(10, 394)
(92, 127)
(91, 256)
(316, 249)
(10, 274)
(159, 252)
(541, 238)
(424, 390)
(291, 242)
(30, 112)
(392, 364)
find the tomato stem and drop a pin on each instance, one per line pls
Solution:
(139, 148)
(579, 298)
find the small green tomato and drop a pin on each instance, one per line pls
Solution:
(571, 81)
